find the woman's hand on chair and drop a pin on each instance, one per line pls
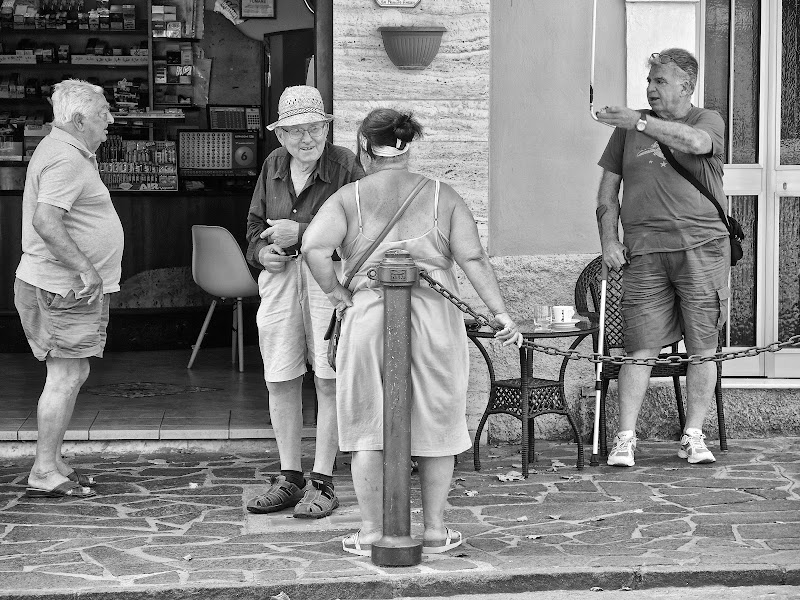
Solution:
(509, 334)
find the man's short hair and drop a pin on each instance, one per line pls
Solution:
(74, 96)
(683, 59)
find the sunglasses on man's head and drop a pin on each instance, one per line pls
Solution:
(662, 58)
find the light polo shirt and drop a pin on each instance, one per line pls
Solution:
(63, 172)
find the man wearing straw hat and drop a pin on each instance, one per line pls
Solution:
(676, 254)
(294, 313)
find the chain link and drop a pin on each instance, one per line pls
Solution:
(619, 360)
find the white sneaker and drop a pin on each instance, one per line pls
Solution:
(621, 454)
(694, 449)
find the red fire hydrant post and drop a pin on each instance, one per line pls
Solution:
(398, 274)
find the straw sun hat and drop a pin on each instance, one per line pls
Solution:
(298, 105)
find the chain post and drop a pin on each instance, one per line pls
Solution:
(397, 273)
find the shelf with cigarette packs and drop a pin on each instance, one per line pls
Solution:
(174, 52)
(45, 41)
(141, 55)
(45, 37)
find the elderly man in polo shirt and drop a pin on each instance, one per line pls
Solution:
(72, 244)
(295, 182)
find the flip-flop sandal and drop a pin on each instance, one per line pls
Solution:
(351, 544)
(281, 494)
(81, 478)
(316, 504)
(68, 489)
(453, 539)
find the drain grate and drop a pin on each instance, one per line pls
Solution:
(145, 389)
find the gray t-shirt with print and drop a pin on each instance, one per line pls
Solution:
(661, 211)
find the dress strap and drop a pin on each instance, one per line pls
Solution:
(358, 208)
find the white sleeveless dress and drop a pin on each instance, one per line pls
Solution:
(439, 356)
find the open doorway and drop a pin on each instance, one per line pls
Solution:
(288, 60)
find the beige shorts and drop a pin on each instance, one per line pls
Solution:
(292, 320)
(61, 326)
(669, 295)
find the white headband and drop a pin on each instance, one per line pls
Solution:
(385, 151)
(388, 151)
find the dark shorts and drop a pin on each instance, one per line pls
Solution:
(669, 295)
(61, 326)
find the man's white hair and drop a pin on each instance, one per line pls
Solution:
(74, 96)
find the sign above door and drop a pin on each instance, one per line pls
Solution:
(397, 3)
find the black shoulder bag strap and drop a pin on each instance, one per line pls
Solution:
(694, 181)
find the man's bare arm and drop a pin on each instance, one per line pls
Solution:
(48, 223)
(615, 254)
(679, 136)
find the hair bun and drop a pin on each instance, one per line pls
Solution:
(403, 127)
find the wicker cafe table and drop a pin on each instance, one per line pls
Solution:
(545, 396)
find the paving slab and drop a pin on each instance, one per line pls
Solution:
(172, 524)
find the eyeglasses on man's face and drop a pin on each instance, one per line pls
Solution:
(297, 133)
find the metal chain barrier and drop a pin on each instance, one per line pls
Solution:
(596, 357)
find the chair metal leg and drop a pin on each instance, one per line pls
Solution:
(199, 341)
(676, 382)
(234, 335)
(240, 333)
(476, 447)
(531, 442)
(476, 459)
(578, 440)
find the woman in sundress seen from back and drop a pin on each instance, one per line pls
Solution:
(439, 231)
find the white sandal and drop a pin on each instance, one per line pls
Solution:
(351, 544)
(453, 539)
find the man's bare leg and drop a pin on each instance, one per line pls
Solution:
(286, 414)
(633, 383)
(701, 379)
(65, 376)
(327, 443)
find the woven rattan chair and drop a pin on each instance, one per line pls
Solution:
(587, 298)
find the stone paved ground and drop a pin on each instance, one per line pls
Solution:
(175, 522)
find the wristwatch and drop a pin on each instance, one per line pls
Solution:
(641, 123)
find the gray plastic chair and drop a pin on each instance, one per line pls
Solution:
(219, 267)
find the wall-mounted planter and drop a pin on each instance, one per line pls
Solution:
(412, 47)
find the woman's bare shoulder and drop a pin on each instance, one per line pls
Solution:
(344, 193)
(448, 197)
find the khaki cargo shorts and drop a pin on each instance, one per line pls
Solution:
(61, 326)
(669, 295)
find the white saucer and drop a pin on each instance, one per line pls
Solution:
(565, 325)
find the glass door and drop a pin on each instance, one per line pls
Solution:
(784, 306)
(752, 77)
(736, 85)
